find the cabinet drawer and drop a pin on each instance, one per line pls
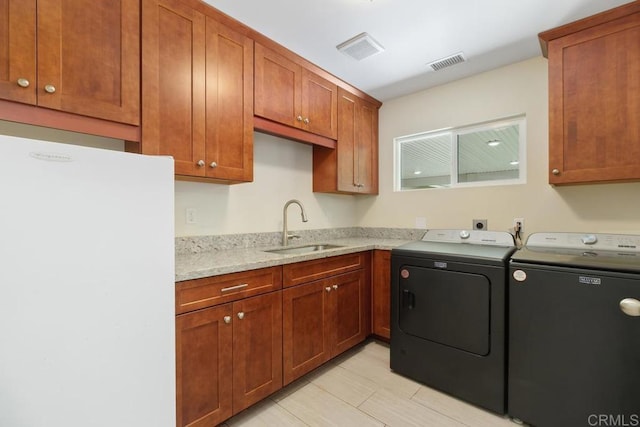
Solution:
(306, 271)
(200, 293)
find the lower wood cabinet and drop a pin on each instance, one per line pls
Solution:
(381, 294)
(204, 362)
(228, 357)
(323, 318)
(240, 337)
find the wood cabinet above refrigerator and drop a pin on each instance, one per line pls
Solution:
(75, 57)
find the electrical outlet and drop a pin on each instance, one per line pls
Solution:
(517, 221)
(479, 224)
(191, 216)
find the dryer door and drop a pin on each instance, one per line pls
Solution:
(448, 307)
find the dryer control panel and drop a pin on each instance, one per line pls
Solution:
(590, 241)
(475, 237)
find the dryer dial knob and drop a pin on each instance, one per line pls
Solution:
(464, 234)
(589, 239)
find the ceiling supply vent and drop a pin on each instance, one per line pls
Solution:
(447, 62)
(360, 47)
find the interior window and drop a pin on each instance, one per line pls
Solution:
(491, 153)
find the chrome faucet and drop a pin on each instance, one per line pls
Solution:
(285, 234)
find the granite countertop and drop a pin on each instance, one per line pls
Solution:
(213, 262)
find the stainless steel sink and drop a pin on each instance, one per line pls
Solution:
(299, 250)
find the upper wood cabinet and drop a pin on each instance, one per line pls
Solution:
(594, 97)
(75, 56)
(353, 166)
(197, 92)
(288, 93)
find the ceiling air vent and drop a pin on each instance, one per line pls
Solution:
(360, 47)
(447, 62)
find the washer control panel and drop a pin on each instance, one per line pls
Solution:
(592, 241)
(476, 237)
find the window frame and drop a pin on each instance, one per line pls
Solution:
(454, 132)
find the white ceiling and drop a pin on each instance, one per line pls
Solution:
(491, 33)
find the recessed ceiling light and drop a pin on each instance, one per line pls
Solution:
(514, 162)
(493, 143)
(417, 172)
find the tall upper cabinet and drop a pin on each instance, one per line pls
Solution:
(71, 56)
(353, 166)
(594, 97)
(197, 91)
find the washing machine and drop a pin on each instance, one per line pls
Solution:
(574, 330)
(448, 313)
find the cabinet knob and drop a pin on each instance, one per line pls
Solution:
(306, 120)
(556, 171)
(241, 315)
(299, 118)
(227, 319)
(23, 82)
(335, 286)
(200, 163)
(50, 88)
(213, 165)
(328, 289)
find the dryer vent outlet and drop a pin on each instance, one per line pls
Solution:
(479, 224)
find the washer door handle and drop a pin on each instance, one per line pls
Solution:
(408, 299)
(630, 307)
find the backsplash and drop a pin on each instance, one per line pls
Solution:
(197, 244)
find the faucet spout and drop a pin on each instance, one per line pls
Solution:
(285, 233)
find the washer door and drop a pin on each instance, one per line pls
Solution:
(448, 307)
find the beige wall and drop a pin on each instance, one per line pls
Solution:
(514, 89)
(282, 171)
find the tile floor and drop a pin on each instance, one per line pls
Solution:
(358, 389)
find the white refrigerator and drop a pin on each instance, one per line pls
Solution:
(86, 287)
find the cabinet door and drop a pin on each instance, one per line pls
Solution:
(204, 366)
(366, 149)
(594, 104)
(347, 142)
(305, 314)
(88, 55)
(319, 105)
(173, 84)
(229, 103)
(349, 320)
(257, 349)
(381, 295)
(277, 87)
(18, 50)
